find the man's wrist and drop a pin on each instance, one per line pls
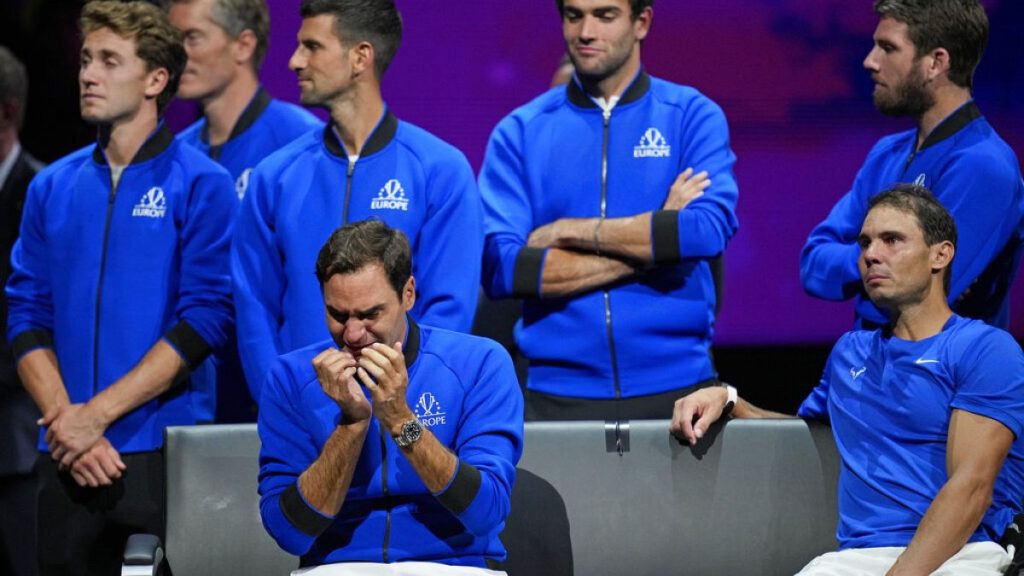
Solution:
(99, 412)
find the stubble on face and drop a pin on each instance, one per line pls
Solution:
(910, 97)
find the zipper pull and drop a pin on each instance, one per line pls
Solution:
(607, 113)
(351, 167)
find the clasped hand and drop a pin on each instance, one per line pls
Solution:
(381, 369)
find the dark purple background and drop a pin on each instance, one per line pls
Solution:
(787, 72)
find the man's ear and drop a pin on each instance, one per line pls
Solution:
(244, 46)
(362, 56)
(409, 293)
(156, 81)
(939, 63)
(942, 255)
(642, 23)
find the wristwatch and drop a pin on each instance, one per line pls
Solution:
(730, 401)
(412, 431)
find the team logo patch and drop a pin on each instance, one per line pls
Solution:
(652, 145)
(391, 197)
(429, 410)
(242, 184)
(152, 205)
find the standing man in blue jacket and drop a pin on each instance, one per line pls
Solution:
(922, 64)
(242, 124)
(226, 41)
(365, 164)
(391, 441)
(594, 215)
(119, 288)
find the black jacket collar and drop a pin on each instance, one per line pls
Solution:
(382, 135)
(952, 124)
(411, 349)
(252, 112)
(158, 141)
(636, 90)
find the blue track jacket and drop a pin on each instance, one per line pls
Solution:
(647, 334)
(298, 196)
(265, 127)
(975, 175)
(464, 389)
(100, 275)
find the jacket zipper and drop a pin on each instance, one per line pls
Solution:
(607, 113)
(99, 285)
(348, 190)
(387, 494)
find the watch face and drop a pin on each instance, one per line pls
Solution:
(411, 432)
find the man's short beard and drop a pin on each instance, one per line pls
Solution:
(910, 98)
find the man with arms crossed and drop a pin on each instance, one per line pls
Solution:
(927, 412)
(923, 65)
(365, 164)
(394, 442)
(584, 191)
(120, 287)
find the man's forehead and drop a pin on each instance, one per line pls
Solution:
(892, 30)
(885, 217)
(588, 5)
(108, 40)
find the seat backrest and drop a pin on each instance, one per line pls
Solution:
(753, 497)
(213, 519)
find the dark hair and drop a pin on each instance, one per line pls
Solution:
(363, 243)
(375, 21)
(635, 7)
(935, 222)
(157, 43)
(13, 82)
(959, 26)
(237, 16)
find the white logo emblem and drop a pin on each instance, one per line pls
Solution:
(242, 184)
(855, 373)
(919, 181)
(152, 205)
(429, 410)
(391, 197)
(925, 361)
(652, 145)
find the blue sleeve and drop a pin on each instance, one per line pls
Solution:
(29, 297)
(286, 451)
(989, 379)
(449, 246)
(508, 217)
(204, 296)
(815, 406)
(488, 446)
(828, 261)
(984, 195)
(705, 226)
(258, 278)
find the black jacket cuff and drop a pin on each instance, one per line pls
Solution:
(29, 340)
(307, 520)
(665, 236)
(462, 489)
(526, 277)
(192, 347)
